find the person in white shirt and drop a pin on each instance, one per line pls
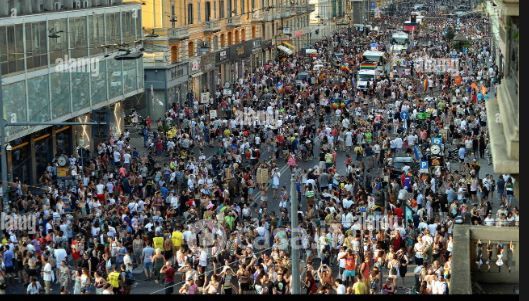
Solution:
(126, 159)
(347, 220)
(489, 220)
(340, 288)
(47, 275)
(34, 287)
(60, 255)
(347, 203)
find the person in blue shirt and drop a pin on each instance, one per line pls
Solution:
(164, 191)
(9, 257)
(462, 154)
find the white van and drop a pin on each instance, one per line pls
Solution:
(364, 77)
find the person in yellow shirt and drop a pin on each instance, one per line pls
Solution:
(360, 288)
(177, 237)
(158, 242)
(113, 279)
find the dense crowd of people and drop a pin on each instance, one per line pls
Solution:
(208, 225)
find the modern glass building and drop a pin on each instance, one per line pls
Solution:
(58, 63)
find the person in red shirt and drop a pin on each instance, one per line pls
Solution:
(168, 271)
(398, 211)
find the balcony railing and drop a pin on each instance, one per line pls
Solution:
(234, 21)
(181, 33)
(301, 10)
(262, 16)
(286, 13)
(211, 26)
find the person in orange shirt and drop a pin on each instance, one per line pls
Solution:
(458, 80)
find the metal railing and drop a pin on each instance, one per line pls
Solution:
(234, 21)
(286, 13)
(181, 33)
(212, 25)
(262, 16)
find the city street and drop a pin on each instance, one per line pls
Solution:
(165, 154)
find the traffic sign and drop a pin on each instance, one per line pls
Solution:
(424, 166)
(437, 140)
(404, 115)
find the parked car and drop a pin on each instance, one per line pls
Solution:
(398, 163)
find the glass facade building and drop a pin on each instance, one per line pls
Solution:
(58, 66)
(55, 67)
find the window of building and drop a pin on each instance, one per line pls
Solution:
(208, 11)
(191, 49)
(221, 9)
(190, 13)
(242, 7)
(230, 8)
(174, 54)
(222, 41)
(215, 45)
(36, 48)
(58, 43)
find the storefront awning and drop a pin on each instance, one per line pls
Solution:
(292, 47)
(285, 49)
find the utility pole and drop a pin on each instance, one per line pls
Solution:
(294, 253)
(3, 153)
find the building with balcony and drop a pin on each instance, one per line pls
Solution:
(290, 25)
(503, 109)
(195, 46)
(59, 62)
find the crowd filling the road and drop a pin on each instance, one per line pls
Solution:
(220, 224)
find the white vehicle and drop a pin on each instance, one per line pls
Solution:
(399, 41)
(378, 57)
(418, 16)
(317, 67)
(364, 77)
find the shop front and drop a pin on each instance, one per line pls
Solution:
(196, 78)
(257, 55)
(177, 84)
(221, 58)
(207, 66)
(239, 57)
(267, 48)
(28, 157)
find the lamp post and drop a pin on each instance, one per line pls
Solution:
(294, 253)
(3, 152)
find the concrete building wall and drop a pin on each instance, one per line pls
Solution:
(465, 270)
